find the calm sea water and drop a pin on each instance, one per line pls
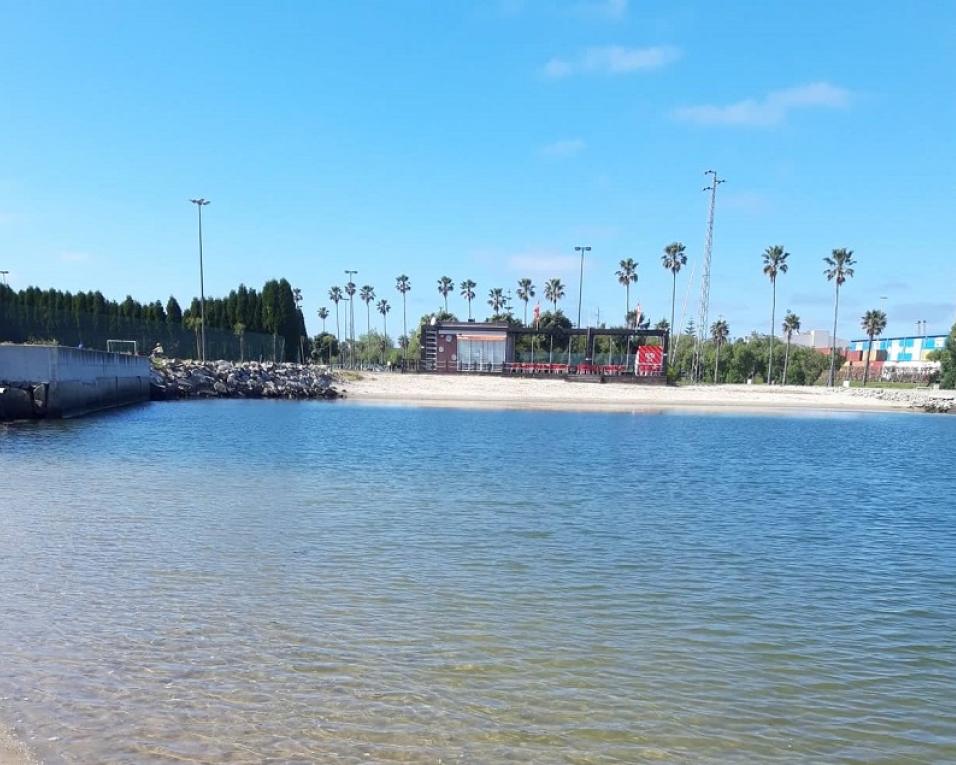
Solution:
(310, 582)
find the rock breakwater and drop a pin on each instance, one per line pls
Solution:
(928, 400)
(175, 379)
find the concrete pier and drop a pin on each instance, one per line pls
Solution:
(55, 381)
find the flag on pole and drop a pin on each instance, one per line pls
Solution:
(536, 314)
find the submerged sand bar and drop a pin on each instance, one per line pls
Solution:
(476, 391)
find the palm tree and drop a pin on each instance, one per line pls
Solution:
(239, 330)
(553, 291)
(335, 295)
(350, 322)
(791, 325)
(367, 295)
(839, 269)
(774, 263)
(446, 286)
(403, 284)
(873, 323)
(719, 331)
(525, 293)
(496, 299)
(627, 275)
(383, 308)
(468, 293)
(195, 324)
(673, 260)
(323, 315)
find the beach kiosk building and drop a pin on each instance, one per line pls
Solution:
(454, 346)
(490, 347)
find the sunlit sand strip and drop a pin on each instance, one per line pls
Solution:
(473, 391)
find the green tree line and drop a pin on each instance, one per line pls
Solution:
(34, 314)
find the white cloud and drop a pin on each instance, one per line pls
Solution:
(604, 9)
(510, 7)
(557, 68)
(542, 263)
(568, 147)
(821, 298)
(612, 60)
(771, 110)
(747, 202)
(939, 314)
(614, 9)
(72, 256)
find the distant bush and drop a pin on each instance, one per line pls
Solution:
(947, 377)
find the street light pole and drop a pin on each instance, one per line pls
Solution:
(200, 203)
(582, 249)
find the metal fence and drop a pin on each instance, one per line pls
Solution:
(18, 325)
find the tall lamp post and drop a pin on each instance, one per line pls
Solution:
(200, 203)
(582, 248)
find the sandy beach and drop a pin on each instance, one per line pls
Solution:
(473, 391)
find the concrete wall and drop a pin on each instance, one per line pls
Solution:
(67, 382)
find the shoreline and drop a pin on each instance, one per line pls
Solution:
(474, 392)
(12, 750)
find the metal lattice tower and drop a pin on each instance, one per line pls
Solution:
(704, 307)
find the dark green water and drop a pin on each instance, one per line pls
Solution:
(239, 581)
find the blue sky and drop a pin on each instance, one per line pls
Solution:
(484, 140)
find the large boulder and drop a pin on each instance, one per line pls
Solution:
(16, 404)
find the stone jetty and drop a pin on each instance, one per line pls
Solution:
(176, 378)
(926, 400)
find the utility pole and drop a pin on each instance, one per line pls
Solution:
(200, 203)
(704, 307)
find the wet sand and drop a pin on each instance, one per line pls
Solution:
(12, 752)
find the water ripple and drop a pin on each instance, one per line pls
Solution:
(245, 582)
